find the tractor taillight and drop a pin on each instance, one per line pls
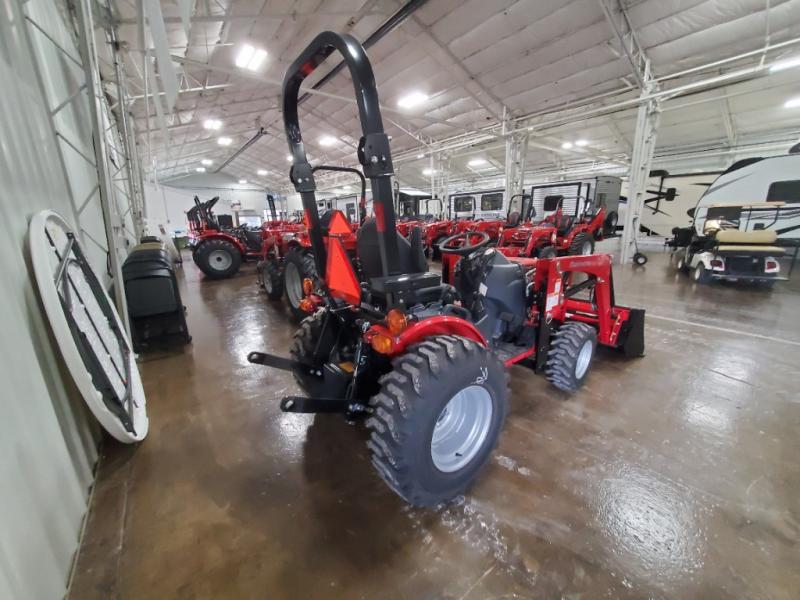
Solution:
(307, 305)
(308, 286)
(717, 263)
(770, 266)
(396, 321)
(382, 344)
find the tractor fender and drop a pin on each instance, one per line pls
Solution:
(218, 235)
(419, 331)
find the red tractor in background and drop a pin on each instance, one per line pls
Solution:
(425, 360)
(556, 235)
(287, 258)
(218, 251)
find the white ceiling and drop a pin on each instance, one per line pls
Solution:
(474, 59)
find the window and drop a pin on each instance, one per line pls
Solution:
(722, 217)
(492, 201)
(784, 191)
(463, 203)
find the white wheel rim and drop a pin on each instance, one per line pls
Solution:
(267, 277)
(583, 360)
(461, 429)
(220, 260)
(294, 286)
(698, 272)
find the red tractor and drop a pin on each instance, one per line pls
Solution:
(287, 258)
(218, 251)
(556, 235)
(426, 361)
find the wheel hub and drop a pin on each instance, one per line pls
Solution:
(461, 429)
(219, 260)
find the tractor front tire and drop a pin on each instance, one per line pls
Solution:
(437, 418)
(546, 252)
(218, 259)
(299, 264)
(582, 244)
(570, 355)
(272, 278)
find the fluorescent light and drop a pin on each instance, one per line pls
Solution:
(327, 140)
(782, 65)
(428, 172)
(200, 169)
(207, 162)
(581, 143)
(250, 58)
(289, 157)
(347, 188)
(477, 162)
(566, 145)
(411, 100)
(792, 103)
(420, 156)
(243, 181)
(224, 141)
(212, 124)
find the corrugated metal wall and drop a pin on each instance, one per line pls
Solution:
(48, 442)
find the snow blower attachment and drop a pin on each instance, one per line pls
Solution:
(423, 360)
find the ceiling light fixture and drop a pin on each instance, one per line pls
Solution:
(420, 155)
(224, 141)
(243, 181)
(347, 188)
(262, 172)
(411, 100)
(327, 140)
(782, 65)
(207, 162)
(566, 145)
(792, 103)
(428, 172)
(289, 157)
(212, 124)
(250, 58)
(200, 169)
(477, 162)
(581, 143)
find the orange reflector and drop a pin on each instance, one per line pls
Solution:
(308, 286)
(339, 275)
(347, 366)
(338, 224)
(381, 344)
(396, 321)
(307, 305)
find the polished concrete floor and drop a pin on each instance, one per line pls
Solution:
(672, 476)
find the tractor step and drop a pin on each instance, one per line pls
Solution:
(301, 404)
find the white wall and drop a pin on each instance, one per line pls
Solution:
(167, 203)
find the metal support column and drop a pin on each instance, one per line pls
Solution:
(644, 142)
(516, 156)
(86, 44)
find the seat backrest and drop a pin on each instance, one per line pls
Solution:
(411, 253)
(734, 236)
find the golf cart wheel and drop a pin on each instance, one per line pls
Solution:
(546, 252)
(272, 278)
(570, 355)
(218, 259)
(680, 265)
(298, 265)
(582, 244)
(639, 259)
(701, 274)
(437, 418)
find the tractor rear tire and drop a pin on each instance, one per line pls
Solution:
(582, 244)
(272, 278)
(610, 224)
(218, 259)
(437, 418)
(299, 264)
(570, 355)
(306, 338)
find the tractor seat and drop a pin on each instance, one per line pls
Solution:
(413, 283)
(564, 224)
(253, 237)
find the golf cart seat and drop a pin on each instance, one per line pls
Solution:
(731, 242)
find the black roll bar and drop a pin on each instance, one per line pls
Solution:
(362, 201)
(373, 148)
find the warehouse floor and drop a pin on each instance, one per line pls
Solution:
(675, 475)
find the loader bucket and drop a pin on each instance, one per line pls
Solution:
(632, 333)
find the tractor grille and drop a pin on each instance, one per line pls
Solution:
(745, 265)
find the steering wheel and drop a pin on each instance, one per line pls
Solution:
(465, 248)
